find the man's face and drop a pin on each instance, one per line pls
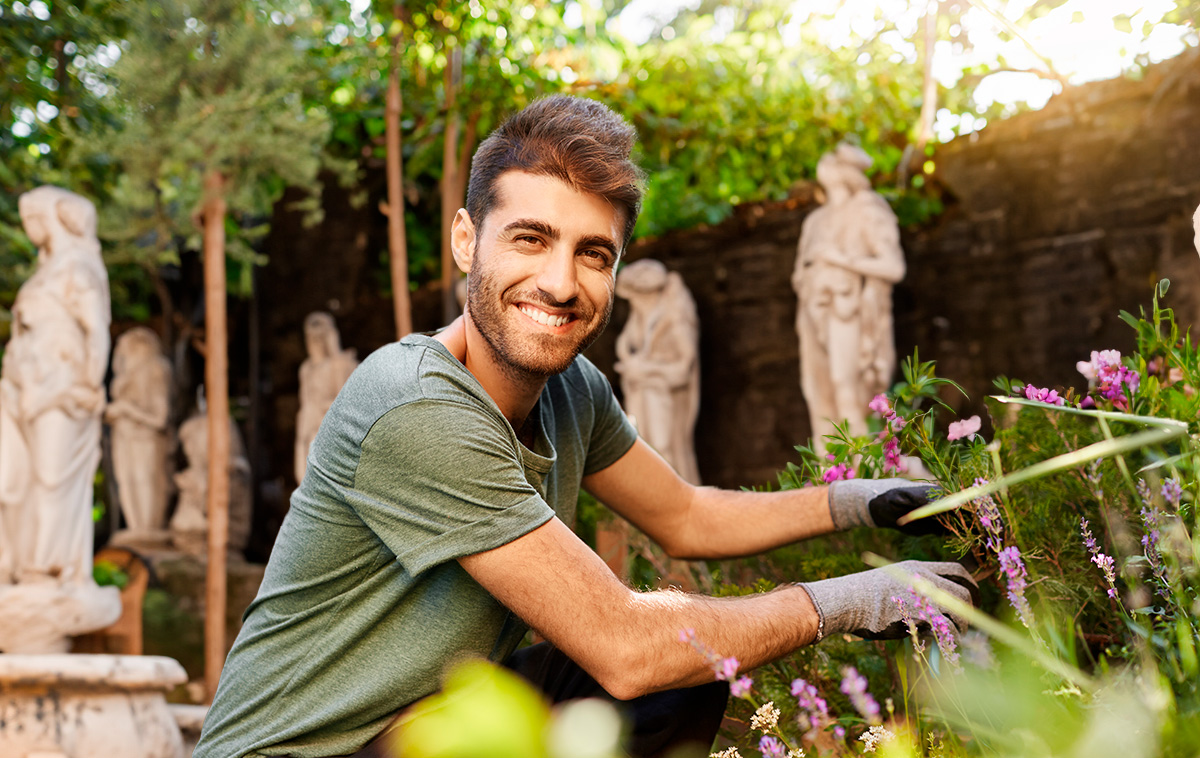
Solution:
(540, 287)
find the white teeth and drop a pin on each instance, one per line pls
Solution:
(544, 318)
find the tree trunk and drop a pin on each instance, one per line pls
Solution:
(216, 383)
(397, 242)
(451, 169)
(914, 153)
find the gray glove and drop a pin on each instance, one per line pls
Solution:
(862, 604)
(880, 502)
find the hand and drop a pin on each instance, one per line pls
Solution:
(880, 502)
(861, 604)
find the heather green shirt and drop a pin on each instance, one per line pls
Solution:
(363, 603)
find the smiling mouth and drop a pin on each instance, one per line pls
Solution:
(546, 319)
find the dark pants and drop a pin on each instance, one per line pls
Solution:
(673, 724)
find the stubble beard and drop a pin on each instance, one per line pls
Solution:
(526, 357)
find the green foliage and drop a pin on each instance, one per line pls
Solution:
(206, 87)
(109, 574)
(490, 712)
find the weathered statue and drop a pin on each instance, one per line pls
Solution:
(52, 393)
(321, 377)
(137, 414)
(51, 400)
(658, 360)
(849, 258)
(189, 525)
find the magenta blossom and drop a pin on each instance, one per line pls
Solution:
(1014, 572)
(838, 472)
(968, 427)
(854, 686)
(741, 686)
(1043, 395)
(1104, 562)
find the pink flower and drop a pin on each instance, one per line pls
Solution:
(880, 405)
(740, 686)
(728, 669)
(965, 428)
(840, 471)
(1043, 395)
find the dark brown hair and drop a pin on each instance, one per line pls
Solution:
(580, 141)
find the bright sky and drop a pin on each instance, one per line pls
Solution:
(1091, 48)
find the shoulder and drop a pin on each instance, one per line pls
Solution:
(582, 378)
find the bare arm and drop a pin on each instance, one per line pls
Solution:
(629, 641)
(705, 522)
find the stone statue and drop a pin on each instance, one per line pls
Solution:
(51, 401)
(138, 413)
(1196, 226)
(189, 525)
(658, 360)
(321, 377)
(849, 258)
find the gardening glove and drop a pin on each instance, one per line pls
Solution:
(880, 502)
(862, 604)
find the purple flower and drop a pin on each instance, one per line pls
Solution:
(1104, 562)
(854, 686)
(988, 513)
(839, 733)
(1043, 395)
(770, 747)
(740, 686)
(915, 609)
(1013, 569)
(812, 706)
(965, 428)
(1172, 492)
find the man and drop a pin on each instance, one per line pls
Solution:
(434, 519)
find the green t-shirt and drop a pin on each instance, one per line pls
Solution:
(363, 603)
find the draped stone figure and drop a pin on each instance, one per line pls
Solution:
(189, 525)
(51, 401)
(137, 415)
(322, 375)
(849, 258)
(659, 362)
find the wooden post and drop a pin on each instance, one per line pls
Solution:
(451, 197)
(397, 242)
(216, 383)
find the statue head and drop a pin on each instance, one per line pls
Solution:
(134, 346)
(52, 216)
(321, 336)
(641, 280)
(844, 168)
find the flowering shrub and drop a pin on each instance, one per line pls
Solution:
(1078, 517)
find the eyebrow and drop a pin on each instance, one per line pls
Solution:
(541, 227)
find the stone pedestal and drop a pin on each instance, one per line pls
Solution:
(42, 617)
(88, 706)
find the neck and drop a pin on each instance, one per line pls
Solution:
(515, 393)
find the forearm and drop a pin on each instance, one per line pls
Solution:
(755, 630)
(729, 524)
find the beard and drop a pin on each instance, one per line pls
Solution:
(521, 353)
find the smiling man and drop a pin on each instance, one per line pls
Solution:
(434, 520)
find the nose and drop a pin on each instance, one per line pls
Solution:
(557, 276)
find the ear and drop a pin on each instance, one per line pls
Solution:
(462, 240)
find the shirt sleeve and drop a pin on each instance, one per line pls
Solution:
(612, 434)
(438, 480)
